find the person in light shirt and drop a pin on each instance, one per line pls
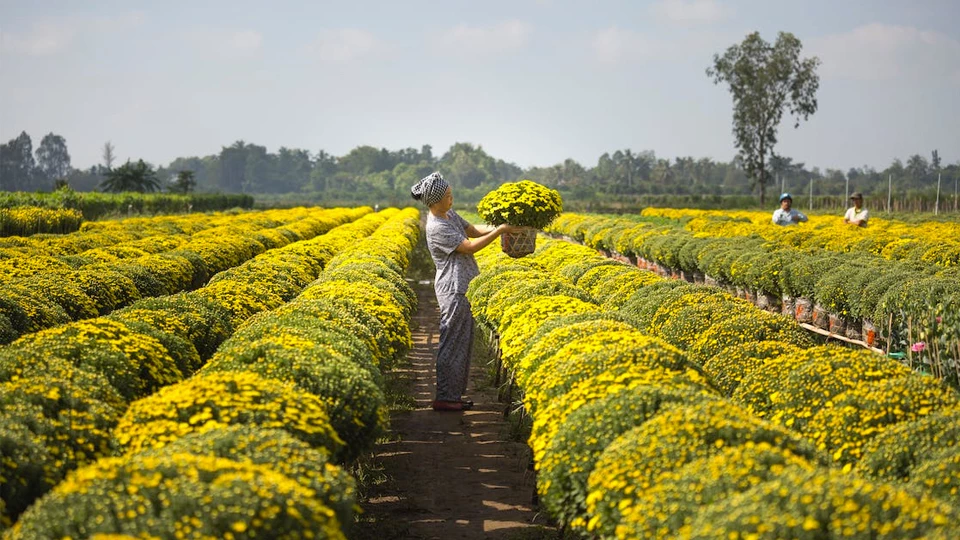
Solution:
(856, 215)
(786, 215)
(452, 241)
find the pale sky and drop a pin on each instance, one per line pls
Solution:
(532, 81)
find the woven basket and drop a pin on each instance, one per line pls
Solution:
(520, 243)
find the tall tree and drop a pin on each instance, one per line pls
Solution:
(53, 159)
(17, 166)
(108, 156)
(917, 169)
(764, 79)
(467, 166)
(138, 176)
(184, 183)
(233, 166)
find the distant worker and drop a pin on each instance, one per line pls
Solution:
(856, 214)
(785, 215)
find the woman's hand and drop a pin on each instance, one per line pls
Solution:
(510, 229)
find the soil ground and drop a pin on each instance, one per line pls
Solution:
(448, 475)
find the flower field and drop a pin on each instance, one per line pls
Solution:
(196, 407)
(50, 280)
(212, 376)
(893, 285)
(668, 409)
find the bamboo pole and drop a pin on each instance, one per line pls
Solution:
(936, 205)
(889, 190)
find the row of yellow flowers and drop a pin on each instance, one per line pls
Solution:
(635, 437)
(45, 290)
(857, 294)
(65, 389)
(931, 241)
(28, 220)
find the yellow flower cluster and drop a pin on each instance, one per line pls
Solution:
(522, 320)
(633, 464)
(212, 400)
(896, 452)
(854, 417)
(523, 204)
(179, 495)
(823, 504)
(28, 220)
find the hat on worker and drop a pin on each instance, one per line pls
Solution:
(856, 195)
(785, 196)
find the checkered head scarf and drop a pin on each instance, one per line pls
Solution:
(430, 189)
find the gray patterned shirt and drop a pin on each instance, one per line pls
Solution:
(454, 270)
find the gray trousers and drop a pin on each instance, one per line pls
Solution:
(456, 340)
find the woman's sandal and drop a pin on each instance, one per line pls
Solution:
(440, 405)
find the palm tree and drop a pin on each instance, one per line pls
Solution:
(137, 176)
(184, 183)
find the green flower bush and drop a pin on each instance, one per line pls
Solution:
(591, 264)
(688, 317)
(179, 495)
(391, 287)
(134, 363)
(571, 444)
(337, 322)
(54, 288)
(557, 333)
(593, 355)
(614, 292)
(814, 386)
(201, 321)
(522, 320)
(795, 386)
(384, 308)
(898, 450)
(511, 293)
(669, 507)
(241, 299)
(109, 290)
(727, 368)
(523, 204)
(641, 308)
(214, 400)
(276, 450)
(594, 278)
(354, 402)
(939, 476)
(28, 313)
(275, 275)
(56, 417)
(363, 265)
(824, 504)
(326, 338)
(482, 289)
(635, 461)
(858, 415)
(27, 470)
(749, 326)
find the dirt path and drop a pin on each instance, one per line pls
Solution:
(451, 474)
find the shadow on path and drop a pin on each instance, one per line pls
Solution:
(449, 474)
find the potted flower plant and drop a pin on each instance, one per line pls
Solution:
(521, 204)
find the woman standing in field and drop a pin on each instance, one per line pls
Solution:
(452, 241)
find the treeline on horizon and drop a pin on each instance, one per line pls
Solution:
(370, 175)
